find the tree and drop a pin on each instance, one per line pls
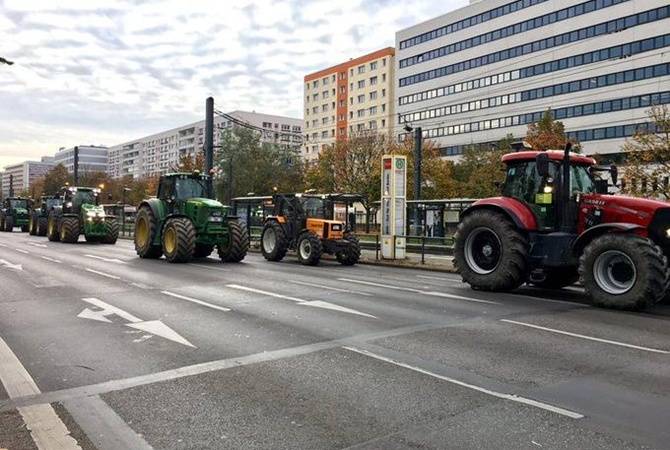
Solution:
(190, 163)
(480, 171)
(55, 179)
(547, 133)
(647, 168)
(246, 165)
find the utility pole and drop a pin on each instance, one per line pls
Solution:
(209, 143)
(76, 166)
(418, 156)
(11, 185)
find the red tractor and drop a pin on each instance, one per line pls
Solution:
(555, 223)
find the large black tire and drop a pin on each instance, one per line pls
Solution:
(181, 249)
(273, 241)
(238, 242)
(24, 228)
(69, 230)
(352, 254)
(203, 250)
(558, 278)
(623, 271)
(9, 224)
(144, 237)
(52, 228)
(309, 249)
(2, 222)
(42, 223)
(490, 253)
(111, 232)
(32, 224)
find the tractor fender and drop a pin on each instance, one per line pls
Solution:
(615, 227)
(512, 208)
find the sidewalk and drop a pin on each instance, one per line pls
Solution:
(437, 263)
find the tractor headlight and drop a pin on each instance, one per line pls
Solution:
(336, 227)
(216, 219)
(667, 233)
(68, 205)
(90, 214)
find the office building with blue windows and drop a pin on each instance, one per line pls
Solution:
(485, 71)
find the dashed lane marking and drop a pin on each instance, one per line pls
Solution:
(450, 280)
(51, 259)
(26, 252)
(511, 397)
(195, 300)
(103, 274)
(590, 338)
(419, 291)
(204, 266)
(269, 294)
(112, 260)
(329, 288)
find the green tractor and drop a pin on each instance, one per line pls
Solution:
(80, 213)
(183, 223)
(39, 214)
(14, 213)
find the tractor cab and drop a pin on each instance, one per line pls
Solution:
(179, 187)
(73, 198)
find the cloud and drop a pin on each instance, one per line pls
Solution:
(108, 71)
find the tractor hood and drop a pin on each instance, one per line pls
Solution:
(204, 211)
(621, 208)
(204, 202)
(93, 210)
(21, 211)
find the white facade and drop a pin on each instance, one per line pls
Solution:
(24, 174)
(92, 158)
(159, 153)
(484, 71)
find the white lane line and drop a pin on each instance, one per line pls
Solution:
(35, 244)
(451, 280)
(590, 338)
(329, 288)
(511, 397)
(195, 300)
(26, 252)
(46, 429)
(3, 245)
(51, 259)
(112, 260)
(204, 266)
(103, 274)
(419, 291)
(269, 294)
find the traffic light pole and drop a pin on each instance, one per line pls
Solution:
(418, 144)
(209, 143)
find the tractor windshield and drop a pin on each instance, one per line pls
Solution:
(315, 208)
(581, 181)
(83, 197)
(186, 188)
(51, 202)
(18, 204)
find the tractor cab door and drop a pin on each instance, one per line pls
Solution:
(166, 193)
(539, 193)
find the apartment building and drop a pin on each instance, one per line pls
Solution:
(159, 153)
(353, 97)
(477, 74)
(92, 158)
(21, 176)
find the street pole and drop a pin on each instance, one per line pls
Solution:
(11, 185)
(209, 143)
(123, 210)
(418, 143)
(76, 166)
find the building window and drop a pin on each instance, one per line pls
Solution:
(373, 80)
(361, 98)
(361, 69)
(373, 110)
(373, 95)
(361, 84)
(383, 93)
(360, 113)
(373, 65)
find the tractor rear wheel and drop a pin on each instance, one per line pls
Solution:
(238, 243)
(69, 230)
(490, 253)
(352, 253)
(273, 241)
(52, 228)
(179, 240)
(203, 250)
(9, 224)
(111, 232)
(32, 224)
(146, 227)
(309, 249)
(623, 271)
(557, 278)
(42, 223)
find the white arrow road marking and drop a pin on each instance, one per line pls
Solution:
(46, 428)
(313, 303)
(195, 300)
(330, 288)
(152, 326)
(419, 291)
(9, 265)
(112, 260)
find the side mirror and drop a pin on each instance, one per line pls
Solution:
(542, 164)
(602, 186)
(614, 172)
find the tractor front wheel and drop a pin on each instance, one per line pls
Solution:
(238, 243)
(309, 249)
(111, 232)
(623, 271)
(490, 253)
(32, 225)
(273, 241)
(350, 255)
(9, 224)
(179, 240)
(42, 224)
(69, 230)
(146, 227)
(52, 228)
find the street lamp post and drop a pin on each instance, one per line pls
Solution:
(418, 156)
(123, 209)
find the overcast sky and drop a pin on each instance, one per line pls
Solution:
(104, 71)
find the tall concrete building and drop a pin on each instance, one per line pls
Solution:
(489, 69)
(352, 97)
(23, 175)
(92, 158)
(159, 153)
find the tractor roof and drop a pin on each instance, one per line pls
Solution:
(194, 175)
(554, 155)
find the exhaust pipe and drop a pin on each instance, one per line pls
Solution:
(566, 219)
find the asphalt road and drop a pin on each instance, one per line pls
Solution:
(115, 352)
